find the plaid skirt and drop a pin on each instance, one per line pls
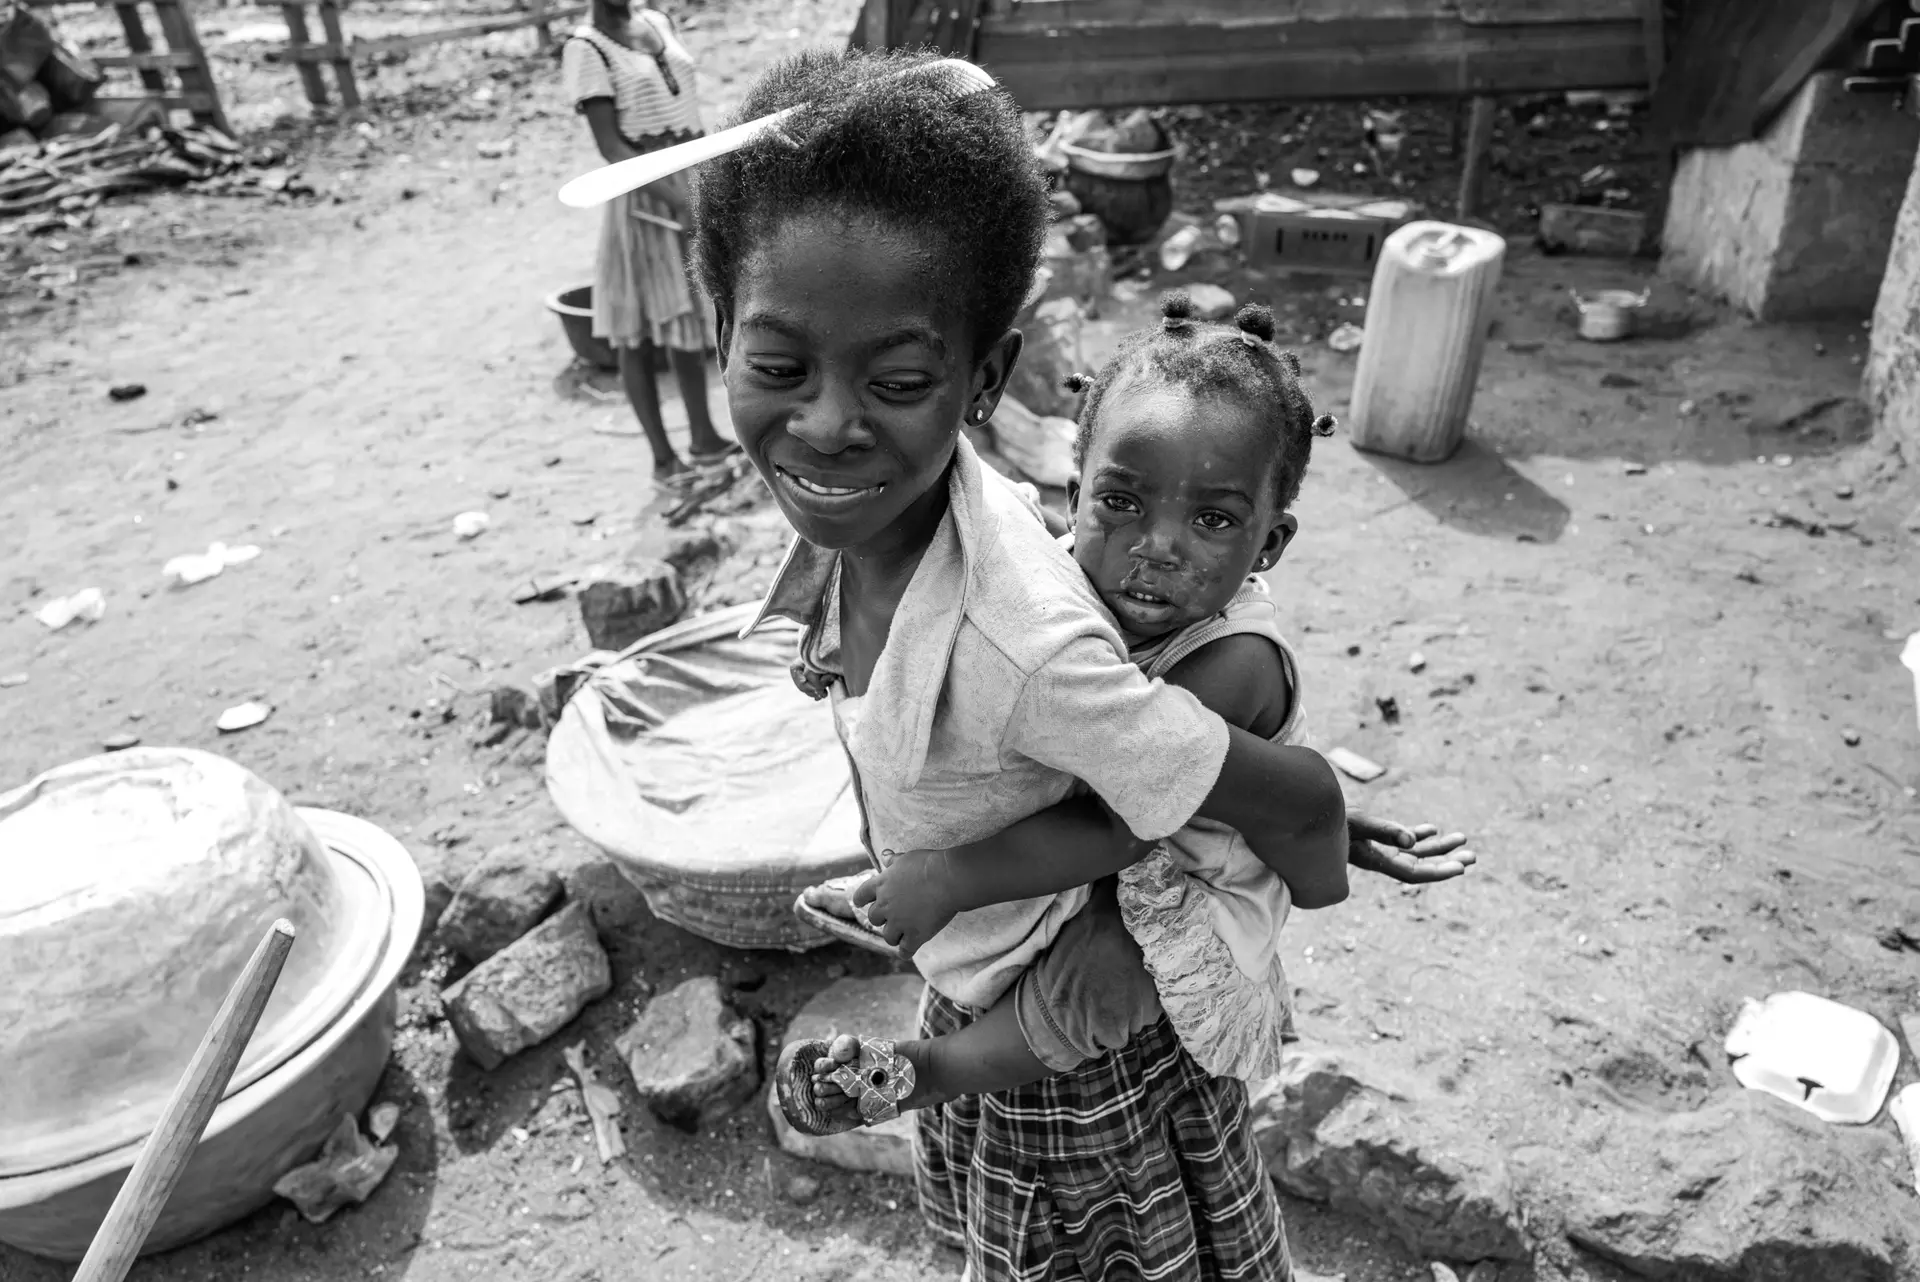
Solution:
(1136, 1165)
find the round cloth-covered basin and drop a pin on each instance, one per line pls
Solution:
(133, 888)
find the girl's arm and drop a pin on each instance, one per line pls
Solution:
(1240, 679)
(605, 123)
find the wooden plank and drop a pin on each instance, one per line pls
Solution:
(147, 60)
(1083, 67)
(176, 21)
(1038, 15)
(343, 65)
(298, 45)
(1735, 62)
(543, 33)
(306, 52)
(135, 31)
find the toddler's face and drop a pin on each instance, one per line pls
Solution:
(1174, 506)
(847, 373)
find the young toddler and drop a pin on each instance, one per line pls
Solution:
(1192, 446)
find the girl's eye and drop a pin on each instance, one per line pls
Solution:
(784, 371)
(1215, 521)
(899, 388)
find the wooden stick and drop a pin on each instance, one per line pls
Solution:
(603, 1106)
(1474, 165)
(657, 220)
(164, 1156)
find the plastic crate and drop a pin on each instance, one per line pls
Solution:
(1330, 234)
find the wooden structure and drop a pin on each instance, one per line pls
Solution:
(184, 58)
(1058, 54)
(336, 51)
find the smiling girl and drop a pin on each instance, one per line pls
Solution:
(866, 260)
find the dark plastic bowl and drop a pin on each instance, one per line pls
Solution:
(574, 307)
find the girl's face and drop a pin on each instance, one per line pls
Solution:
(1174, 506)
(848, 372)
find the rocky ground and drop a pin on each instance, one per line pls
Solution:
(1659, 596)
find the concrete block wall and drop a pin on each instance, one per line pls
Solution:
(1795, 225)
(1893, 355)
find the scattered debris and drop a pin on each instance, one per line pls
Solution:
(1687, 409)
(602, 1104)
(495, 150)
(381, 1121)
(497, 903)
(1910, 659)
(1305, 177)
(1634, 469)
(1897, 939)
(242, 716)
(11, 679)
(620, 607)
(802, 1189)
(1211, 302)
(1905, 1111)
(1832, 1060)
(547, 588)
(1590, 229)
(691, 1056)
(1354, 765)
(1389, 709)
(347, 1172)
(1347, 337)
(470, 525)
(1851, 738)
(1441, 1273)
(530, 990)
(120, 742)
(1843, 491)
(87, 605)
(126, 392)
(1416, 662)
(198, 567)
(515, 707)
(80, 172)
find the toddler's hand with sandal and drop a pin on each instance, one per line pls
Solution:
(912, 899)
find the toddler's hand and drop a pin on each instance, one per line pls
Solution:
(911, 900)
(1414, 856)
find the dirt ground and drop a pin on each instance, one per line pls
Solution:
(1674, 724)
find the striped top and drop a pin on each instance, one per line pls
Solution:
(651, 95)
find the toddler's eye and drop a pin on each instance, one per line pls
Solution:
(1117, 503)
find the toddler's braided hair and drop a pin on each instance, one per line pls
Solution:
(1237, 360)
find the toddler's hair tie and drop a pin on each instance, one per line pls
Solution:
(1325, 425)
(1076, 383)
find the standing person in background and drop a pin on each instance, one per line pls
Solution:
(628, 74)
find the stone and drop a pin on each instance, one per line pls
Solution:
(691, 1055)
(439, 895)
(529, 990)
(1796, 224)
(1211, 302)
(1050, 352)
(514, 706)
(497, 903)
(1748, 1188)
(1388, 1151)
(1892, 380)
(885, 1007)
(634, 601)
(694, 552)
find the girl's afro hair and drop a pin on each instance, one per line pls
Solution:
(867, 142)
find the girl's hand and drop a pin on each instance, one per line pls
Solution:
(912, 900)
(1413, 856)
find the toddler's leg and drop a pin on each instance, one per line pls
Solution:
(1085, 995)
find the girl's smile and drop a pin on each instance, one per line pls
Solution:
(849, 369)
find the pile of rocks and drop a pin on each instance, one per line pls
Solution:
(538, 963)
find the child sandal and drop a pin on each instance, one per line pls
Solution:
(811, 907)
(876, 1081)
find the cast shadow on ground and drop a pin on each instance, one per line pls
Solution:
(1479, 492)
